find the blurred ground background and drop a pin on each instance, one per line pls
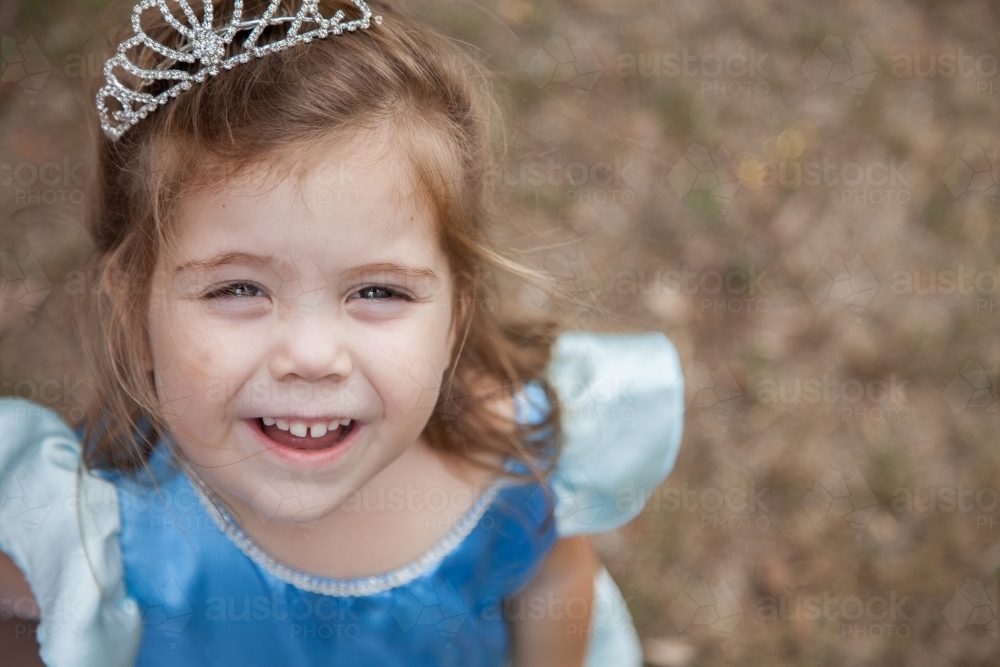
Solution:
(802, 195)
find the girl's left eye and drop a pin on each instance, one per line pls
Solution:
(237, 290)
(378, 293)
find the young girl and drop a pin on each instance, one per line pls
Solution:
(310, 441)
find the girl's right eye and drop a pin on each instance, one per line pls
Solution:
(236, 290)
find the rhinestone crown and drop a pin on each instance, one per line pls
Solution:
(204, 47)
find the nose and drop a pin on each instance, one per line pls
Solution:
(312, 348)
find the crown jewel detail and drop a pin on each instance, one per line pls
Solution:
(205, 48)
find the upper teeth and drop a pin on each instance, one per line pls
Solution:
(300, 428)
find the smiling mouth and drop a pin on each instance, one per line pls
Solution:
(297, 435)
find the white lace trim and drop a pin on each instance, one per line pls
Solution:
(345, 587)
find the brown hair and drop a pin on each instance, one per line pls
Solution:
(397, 76)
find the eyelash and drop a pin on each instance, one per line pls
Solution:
(228, 292)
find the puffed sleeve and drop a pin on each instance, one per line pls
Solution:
(622, 400)
(61, 528)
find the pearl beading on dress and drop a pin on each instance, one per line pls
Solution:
(205, 47)
(344, 587)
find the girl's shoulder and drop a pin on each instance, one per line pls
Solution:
(622, 415)
(59, 524)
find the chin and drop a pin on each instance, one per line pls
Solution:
(282, 497)
(284, 514)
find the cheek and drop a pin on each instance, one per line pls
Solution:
(193, 372)
(407, 371)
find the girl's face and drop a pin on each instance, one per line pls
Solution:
(298, 336)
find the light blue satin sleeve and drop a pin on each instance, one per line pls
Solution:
(62, 532)
(612, 639)
(622, 401)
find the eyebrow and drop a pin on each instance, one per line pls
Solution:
(228, 257)
(264, 261)
(405, 270)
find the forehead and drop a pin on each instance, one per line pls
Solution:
(354, 193)
(311, 220)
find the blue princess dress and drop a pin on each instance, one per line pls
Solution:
(132, 573)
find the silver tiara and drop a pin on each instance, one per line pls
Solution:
(205, 47)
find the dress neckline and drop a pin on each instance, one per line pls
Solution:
(356, 586)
